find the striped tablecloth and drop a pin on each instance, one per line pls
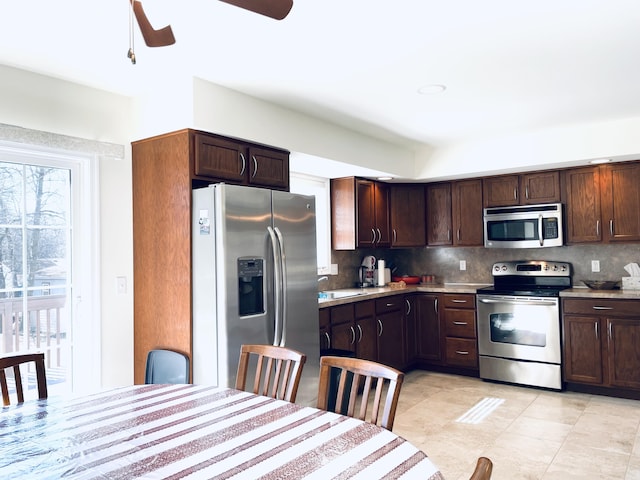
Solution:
(189, 431)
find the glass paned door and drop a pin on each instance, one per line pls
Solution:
(35, 266)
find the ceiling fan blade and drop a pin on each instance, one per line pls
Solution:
(277, 9)
(152, 37)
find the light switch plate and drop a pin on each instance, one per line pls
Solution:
(595, 265)
(463, 264)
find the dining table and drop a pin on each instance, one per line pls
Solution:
(196, 431)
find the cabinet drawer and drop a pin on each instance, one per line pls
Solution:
(389, 304)
(365, 309)
(342, 314)
(460, 323)
(462, 352)
(596, 306)
(324, 317)
(462, 300)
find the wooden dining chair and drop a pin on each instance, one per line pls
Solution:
(354, 371)
(483, 469)
(15, 362)
(277, 370)
(166, 366)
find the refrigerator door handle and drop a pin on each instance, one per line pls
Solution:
(282, 287)
(277, 287)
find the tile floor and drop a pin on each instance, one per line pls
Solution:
(533, 434)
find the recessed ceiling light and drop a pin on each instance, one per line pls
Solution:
(431, 89)
(599, 160)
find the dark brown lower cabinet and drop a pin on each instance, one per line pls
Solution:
(602, 342)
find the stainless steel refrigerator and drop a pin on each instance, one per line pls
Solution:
(254, 280)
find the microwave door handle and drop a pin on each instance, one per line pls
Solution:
(540, 229)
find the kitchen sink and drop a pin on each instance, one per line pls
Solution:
(336, 294)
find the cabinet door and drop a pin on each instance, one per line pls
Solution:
(500, 191)
(428, 328)
(624, 352)
(466, 209)
(582, 349)
(219, 159)
(439, 224)
(621, 202)
(410, 313)
(381, 224)
(366, 333)
(542, 187)
(582, 186)
(268, 168)
(407, 215)
(343, 336)
(391, 339)
(366, 338)
(324, 320)
(366, 213)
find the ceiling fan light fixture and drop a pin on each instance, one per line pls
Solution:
(432, 89)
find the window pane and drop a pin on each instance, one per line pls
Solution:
(11, 198)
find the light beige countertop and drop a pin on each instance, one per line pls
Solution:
(349, 295)
(584, 292)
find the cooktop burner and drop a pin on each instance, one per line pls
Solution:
(532, 278)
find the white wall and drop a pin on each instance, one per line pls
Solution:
(555, 147)
(220, 110)
(42, 103)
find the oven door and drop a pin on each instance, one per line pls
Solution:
(521, 328)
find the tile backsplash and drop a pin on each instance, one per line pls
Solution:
(444, 262)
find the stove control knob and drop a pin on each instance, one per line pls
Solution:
(504, 268)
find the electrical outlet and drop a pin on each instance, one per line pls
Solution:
(463, 264)
(595, 265)
(333, 269)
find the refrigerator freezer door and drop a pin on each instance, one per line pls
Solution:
(238, 236)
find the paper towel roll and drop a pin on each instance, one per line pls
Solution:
(381, 273)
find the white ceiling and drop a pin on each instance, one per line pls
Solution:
(508, 65)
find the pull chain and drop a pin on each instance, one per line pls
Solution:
(131, 54)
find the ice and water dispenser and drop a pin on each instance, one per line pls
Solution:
(250, 286)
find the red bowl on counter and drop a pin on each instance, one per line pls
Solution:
(408, 279)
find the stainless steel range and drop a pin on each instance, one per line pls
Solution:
(519, 323)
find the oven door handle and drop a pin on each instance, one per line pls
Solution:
(517, 302)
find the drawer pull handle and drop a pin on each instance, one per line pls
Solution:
(602, 308)
(459, 301)
(460, 352)
(460, 323)
(389, 304)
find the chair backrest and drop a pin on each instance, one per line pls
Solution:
(166, 366)
(277, 370)
(483, 469)
(352, 373)
(14, 362)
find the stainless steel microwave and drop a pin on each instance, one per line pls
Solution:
(526, 226)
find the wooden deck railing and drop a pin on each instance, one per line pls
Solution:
(43, 330)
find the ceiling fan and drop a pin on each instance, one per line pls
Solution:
(276, 9)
